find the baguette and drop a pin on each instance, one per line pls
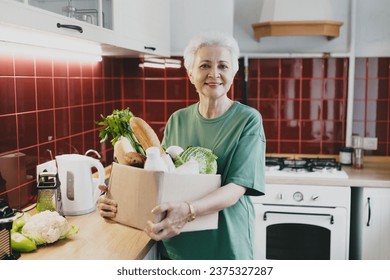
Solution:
(145, 134)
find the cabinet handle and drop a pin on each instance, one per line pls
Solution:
(149, 48)
(70, 26)
(369, 211)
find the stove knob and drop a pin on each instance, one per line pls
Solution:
(315, 197)
(280, 196)
(298, 196)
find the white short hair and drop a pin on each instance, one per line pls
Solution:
(211, 39)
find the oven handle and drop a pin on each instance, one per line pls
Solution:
(298, 213)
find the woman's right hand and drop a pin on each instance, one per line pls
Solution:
(107, 207)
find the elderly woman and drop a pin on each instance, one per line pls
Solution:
(234, 132)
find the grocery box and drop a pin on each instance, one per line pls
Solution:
(138, 191)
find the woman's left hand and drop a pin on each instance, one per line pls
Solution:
(175, 216)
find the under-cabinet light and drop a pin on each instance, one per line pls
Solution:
(47, 53)
(161, 63)
(41, 44)
(172, 65)
(152, 65)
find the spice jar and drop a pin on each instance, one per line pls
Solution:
(346, 155)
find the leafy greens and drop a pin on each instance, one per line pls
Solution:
(116, 125)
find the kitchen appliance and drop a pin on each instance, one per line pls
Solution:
(49, 192)
(308, 221)
(304, 167)
(79, 188)
(7, 216)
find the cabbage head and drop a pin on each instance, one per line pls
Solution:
(205, 157)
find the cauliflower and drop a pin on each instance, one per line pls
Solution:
(46, 227)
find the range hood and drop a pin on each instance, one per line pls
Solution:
(297, 18)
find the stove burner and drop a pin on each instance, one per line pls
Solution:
(308, 164)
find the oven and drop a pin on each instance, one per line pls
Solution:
(303, 222)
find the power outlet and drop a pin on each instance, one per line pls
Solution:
(370, 143)
(49, 166)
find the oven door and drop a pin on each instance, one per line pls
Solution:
(301, 233)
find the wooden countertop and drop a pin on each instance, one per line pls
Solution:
(375, 173)
(97, 239)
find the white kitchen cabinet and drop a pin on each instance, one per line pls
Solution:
(97, 12)
(191, 17)
(370, 223)
(144, 25)
(120, 27)
(36, 19)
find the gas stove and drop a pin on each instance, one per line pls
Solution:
(304, 167)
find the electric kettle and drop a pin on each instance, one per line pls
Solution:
(79, 190)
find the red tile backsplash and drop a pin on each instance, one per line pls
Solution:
(7, 65)
(8, 139)
(61, 123)
(301, 101)
(27, 130)
(45, 126)
(372, 102)
(44, 68)
(7, 104)
(61, 95)
(75, 96)
(51, 105)
(154, 89)
(45, 95)
(24, 66)
(87, 91)
(25, 94)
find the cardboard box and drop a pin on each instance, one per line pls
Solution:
(138, 191)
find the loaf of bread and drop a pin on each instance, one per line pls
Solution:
(126, 157)
(145, 134)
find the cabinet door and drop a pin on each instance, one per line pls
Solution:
(96, 12)
(125, 28)
(33, 19)
(375, 223)
(144, 25)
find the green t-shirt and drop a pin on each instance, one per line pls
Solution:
(237, 138)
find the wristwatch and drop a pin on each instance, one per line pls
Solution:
(191, 215)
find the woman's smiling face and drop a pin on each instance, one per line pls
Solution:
(212, 71)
